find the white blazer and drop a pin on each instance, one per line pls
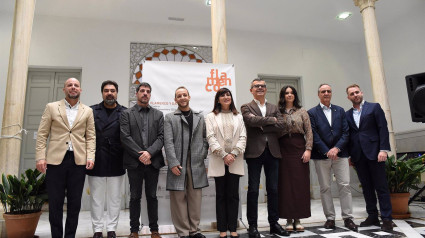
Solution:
(215, 135)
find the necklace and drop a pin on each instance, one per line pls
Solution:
(190, 112)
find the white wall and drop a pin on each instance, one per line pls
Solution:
(101, 49)
(403, 49)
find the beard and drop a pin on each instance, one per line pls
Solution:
(73, 96)
(110, 102)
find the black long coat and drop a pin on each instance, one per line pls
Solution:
(109, 152)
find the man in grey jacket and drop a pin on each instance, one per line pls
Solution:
(142, 136)
(185, 148)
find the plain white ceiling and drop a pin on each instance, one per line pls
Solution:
(311, 18)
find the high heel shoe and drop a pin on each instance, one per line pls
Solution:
(298, 225)
(289, 225)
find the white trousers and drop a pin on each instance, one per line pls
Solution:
(105, 189)
(341, 169)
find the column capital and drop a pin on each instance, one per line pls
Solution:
(362, 4)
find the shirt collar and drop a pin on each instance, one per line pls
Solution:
(258, 102)
(325, 107)
(361, 106)
(139, 108)
(69, 105)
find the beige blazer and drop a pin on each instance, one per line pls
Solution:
(215, 137)
(54, 124)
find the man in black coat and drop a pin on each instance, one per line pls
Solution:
(142, 136)
(108, 174)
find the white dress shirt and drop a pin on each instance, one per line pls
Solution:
(262, 107)
(328, 112)
(357, 114)
(71, 114)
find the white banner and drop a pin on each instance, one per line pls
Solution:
(202, 80)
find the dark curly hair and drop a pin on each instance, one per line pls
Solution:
(282, 102)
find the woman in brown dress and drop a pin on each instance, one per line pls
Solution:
(296, 142)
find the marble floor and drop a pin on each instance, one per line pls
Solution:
(413, 227)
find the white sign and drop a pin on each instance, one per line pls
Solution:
(202, 80)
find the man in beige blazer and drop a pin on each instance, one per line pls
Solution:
(69, 126)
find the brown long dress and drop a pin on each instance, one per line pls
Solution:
(294, 175)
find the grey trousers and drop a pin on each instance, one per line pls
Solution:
(186, 207)
(341, 169)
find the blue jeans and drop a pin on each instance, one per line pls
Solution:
(271, 170)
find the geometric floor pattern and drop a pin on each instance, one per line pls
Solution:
(413, 227)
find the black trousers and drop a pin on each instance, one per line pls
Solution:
(271, 170)
(227, 201)
(136, 177)
(372, 176)
(65, 179)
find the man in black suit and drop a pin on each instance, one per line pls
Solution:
(142, 136)
(108, 175)
(330, 138)
(369, 144)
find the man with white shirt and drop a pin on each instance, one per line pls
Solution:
(369, 144)
(69, 125)
(330, 138)
(262, 150)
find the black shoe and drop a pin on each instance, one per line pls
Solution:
(98, 235)
(387, 225)
(198, 235)
(111, 234)
(350, 224)
(253, 232)
(370, 221)
(330, 224)
(277, 229)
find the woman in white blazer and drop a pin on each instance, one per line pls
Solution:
(226, 136)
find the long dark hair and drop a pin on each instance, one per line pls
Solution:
(282, 102)
(217, 105)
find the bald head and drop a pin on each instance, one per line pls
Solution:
(72, 89)
(69, 80)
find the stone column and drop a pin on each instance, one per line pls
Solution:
(376, 66)
(14, 102)
(218, 30)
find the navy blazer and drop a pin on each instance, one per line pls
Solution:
(372, 134)
(325, 137)
(109, 152)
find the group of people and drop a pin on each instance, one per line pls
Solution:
(106, 139)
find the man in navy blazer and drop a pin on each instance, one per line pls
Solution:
(330, 138)
(369, 144)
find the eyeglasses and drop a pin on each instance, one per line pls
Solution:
(325, 91)
(259, 86)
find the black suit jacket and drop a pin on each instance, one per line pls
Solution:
(325, 136)
(131, 137)
(109, 152)
(372, 134)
